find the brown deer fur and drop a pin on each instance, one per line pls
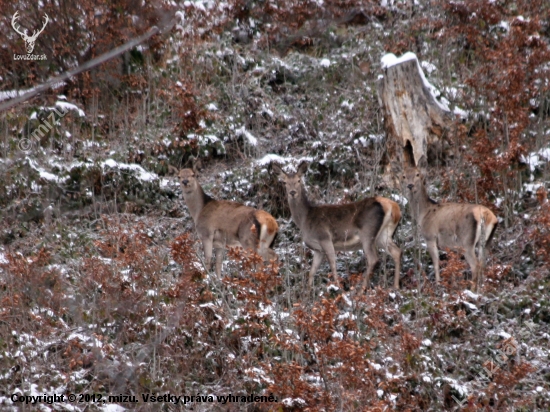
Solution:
(450, 225)
(222, 223)
(330, 228)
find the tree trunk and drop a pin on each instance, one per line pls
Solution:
(411, 113)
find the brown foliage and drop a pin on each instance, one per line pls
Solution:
(507, 71)
(186, 112)
(540, 234)
(30, 284)
(452, 270)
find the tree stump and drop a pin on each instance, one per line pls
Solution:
(411, 113)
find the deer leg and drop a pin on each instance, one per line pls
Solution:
(482, 243)
(219, 259)
(475, 265)
(434, 254)
(207, 244)
(371, 257)
(264, 250)
(328, 248)
(317, 259)
(386, 242)
(395, 253)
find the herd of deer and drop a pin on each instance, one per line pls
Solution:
(367, 224)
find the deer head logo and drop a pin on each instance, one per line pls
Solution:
(29, 40)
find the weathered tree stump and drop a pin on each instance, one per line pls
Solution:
(411, 113)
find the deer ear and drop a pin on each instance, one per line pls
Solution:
(302, 168)
(277, 169)
(196, 164)
(173, 170)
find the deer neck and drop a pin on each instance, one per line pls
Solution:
(299, 208)
(420, 203)
(195, 202)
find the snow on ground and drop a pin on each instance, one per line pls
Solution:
(245, 133)
(536, 159)
(10, 94)
(142, 174)
(269, 158)
(290, 402)
(69, 106)
(139, 172)
(325, 63)
(43, 174)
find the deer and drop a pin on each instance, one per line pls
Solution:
(29, 40)
(448, 225)
(326, 229)
(222, 223)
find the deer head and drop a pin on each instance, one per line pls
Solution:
(292, 181)
(29, 40)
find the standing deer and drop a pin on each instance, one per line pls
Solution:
(449, 225)
(352, 226)
(221, 223)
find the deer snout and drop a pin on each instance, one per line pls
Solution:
(410, 186)
(185, 182)
(292, 193)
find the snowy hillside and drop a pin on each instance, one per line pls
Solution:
(103, 286)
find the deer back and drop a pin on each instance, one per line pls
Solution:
(344, 224)
(231, 223)
(453, 224)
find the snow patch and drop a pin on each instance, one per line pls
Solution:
(69, 106)
(536, 159)
(504, 335)
(142, 174)
(43, 174)
(461, 389)
(269, 158)
(469, 305)
(429, 67)
(470, 294)
(243, 132)
(346, 104)
(390, 59)
(290, 402)
(399, 199)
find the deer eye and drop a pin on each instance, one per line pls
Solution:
(418, 175)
